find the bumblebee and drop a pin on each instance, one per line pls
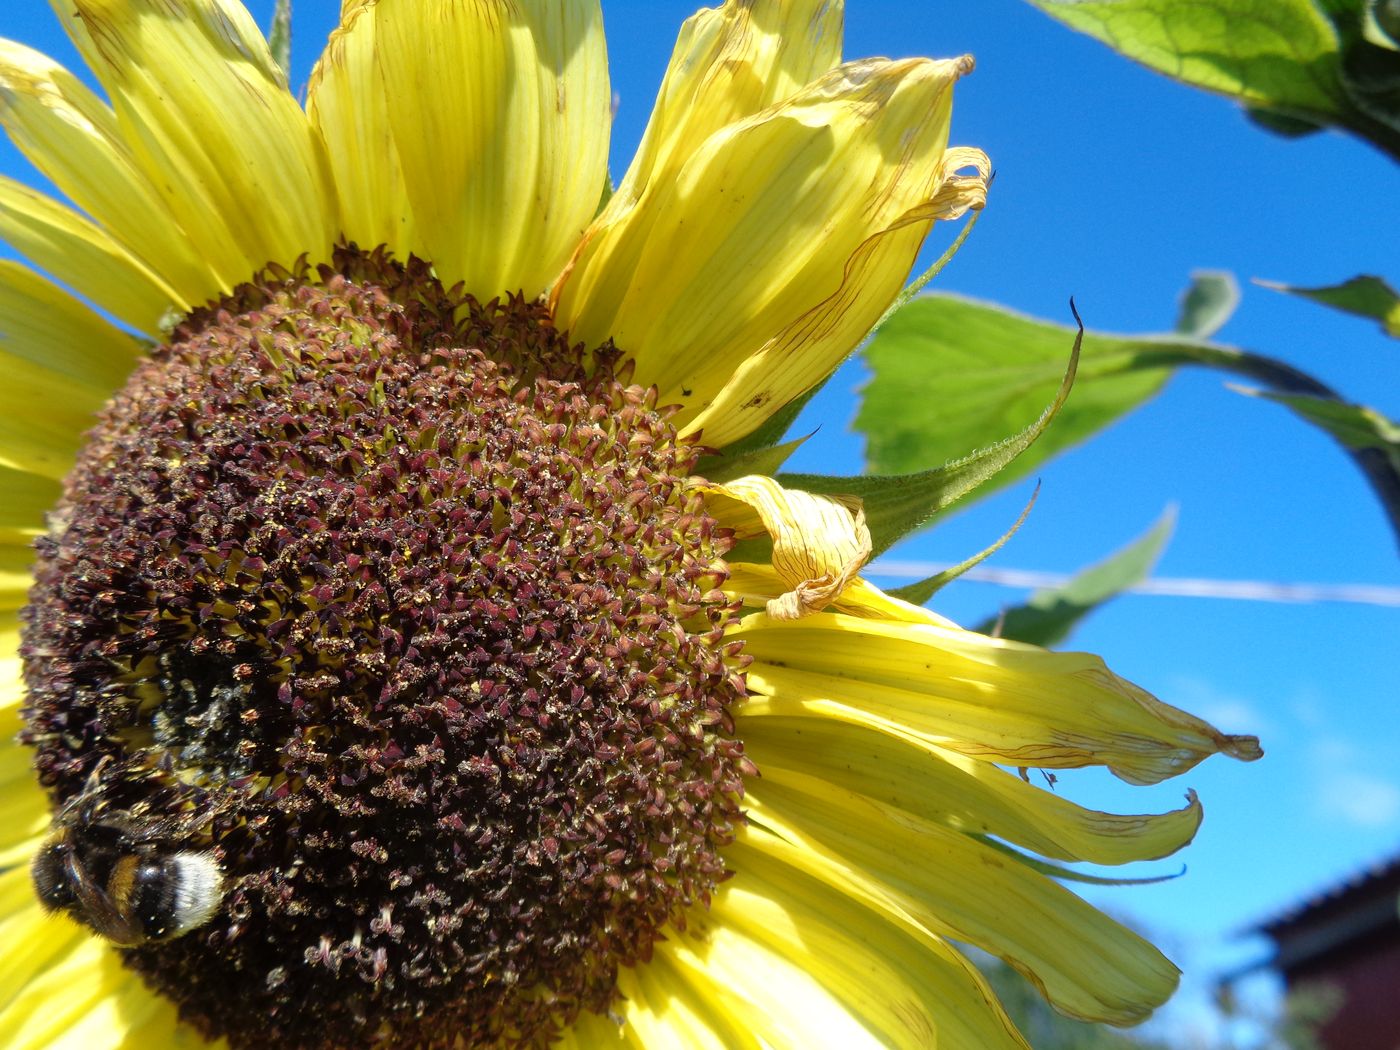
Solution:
(121, 873)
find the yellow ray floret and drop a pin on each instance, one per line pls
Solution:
(232, 155)
(500, 114)
(804, 217)
(819, 542)
(73, 138)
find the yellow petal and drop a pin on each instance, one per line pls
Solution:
(72, 137)
(346, 103)
(501, 115)
(666, 1008)
(84, 257)
(15, 562)
(593, 1030)
(980, 696)
(43, 416)
(34, 941)
(901, 769)
(1086, 964)
(85, 1000)
(209, 119)
(757, 584)
(59, 362)
(24, 809)
(27, 498)
(783, 235)
(729, 62)
(816, 969)
(808, 349)
(819, 542)
(752, 989)
(47, 327)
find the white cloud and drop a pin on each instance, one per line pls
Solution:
(1360, 798)
(1226, 711)
(1347, 791)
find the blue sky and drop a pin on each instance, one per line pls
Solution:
(1113, 184)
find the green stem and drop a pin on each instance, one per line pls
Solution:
(1373, 462)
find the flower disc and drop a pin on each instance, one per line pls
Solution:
(408, 612)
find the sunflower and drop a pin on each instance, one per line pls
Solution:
(398, 650)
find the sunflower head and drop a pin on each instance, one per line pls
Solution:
(389, 670)
(407, 609)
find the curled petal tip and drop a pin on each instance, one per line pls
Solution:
(1245, 748)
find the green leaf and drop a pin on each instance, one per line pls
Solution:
(1355, 426)
(920, 592)
(977, 371)
(1365, 296)
(898, 504)
(1373, 439)
(1294, 62)
(952, 374)
(1370, 62)
(1282, 124)
(1278, 54)
(280, 39)
(1207, 304)
(1049, 615)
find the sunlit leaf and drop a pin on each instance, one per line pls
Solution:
(952, 374)
(1293, 64)
(1365, 296)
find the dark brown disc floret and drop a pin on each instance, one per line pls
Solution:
(410, 613)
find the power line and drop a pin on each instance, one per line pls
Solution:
(1179, 587)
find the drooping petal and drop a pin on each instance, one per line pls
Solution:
(729, 63)
(819, 542)
(894, 767)
(72, 137)
(84, 257)
(915, 871)
(346, 102)
(984, 697)
(777, 243)
(209, 120)
(501, 116)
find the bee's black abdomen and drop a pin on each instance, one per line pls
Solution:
(51, 880)
(153, 898)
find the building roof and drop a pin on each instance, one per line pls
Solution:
(1342, 914)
